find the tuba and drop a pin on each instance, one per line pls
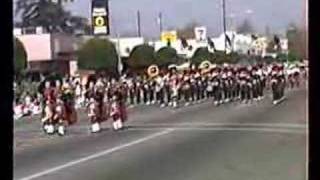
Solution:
(184, 66)
(205, 67)
(172, 66)
(153, 71)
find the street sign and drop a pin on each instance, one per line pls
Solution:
(200, 33)
(169, 36)
(100, 18)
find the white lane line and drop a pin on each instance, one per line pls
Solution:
(99, 154)
(260, 130)
(273, 125)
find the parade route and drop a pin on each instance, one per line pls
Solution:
(231, 141)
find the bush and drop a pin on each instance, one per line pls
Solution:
(20, 57)
(218, 57)
(166, 56)
(141, 56)
(293, 57)
(200, 55)
(98, 54)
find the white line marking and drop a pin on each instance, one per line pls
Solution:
(103, 153)
(273, 125)
(262, 130)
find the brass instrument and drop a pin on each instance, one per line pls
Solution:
(153, 71)
(205, 67)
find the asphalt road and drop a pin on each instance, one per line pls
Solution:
(199, 142)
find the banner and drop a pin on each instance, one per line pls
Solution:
(100, 17)
(169, 36)
(200, 33)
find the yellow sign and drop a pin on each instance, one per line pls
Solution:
(99, 21)
(169, 36)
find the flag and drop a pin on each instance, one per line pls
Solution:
(229, 40)
(211, 44)
(184, 43)
(254, 37)
(277, 42)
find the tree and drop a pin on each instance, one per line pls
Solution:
(98, 54)
(141, 56)
(166, 56)
(50, 15)
(187, 31)
(218, 57)
(200, 55)
(20, 56)
(297, 41)
(270, 47)
(246, 27)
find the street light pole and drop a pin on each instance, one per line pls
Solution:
(160, 22)
(139, 23)
(224, 25)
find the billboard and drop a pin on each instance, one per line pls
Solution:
(100, 17)
(169, 36)
(200, 33)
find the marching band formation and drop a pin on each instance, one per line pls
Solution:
(178, 86)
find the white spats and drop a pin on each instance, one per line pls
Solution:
(95, 127)
(120, 124)
(49, 129)
(61, 130)
(175, 104)
(117, 124)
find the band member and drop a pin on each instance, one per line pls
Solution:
(58, 89)
(277, 84)
(225, 85)
(244, 85)
(216, 82)
(118, 110)
(185, 87)
(61, 116)
(145, 90)
(159, 88)
(174, 89)
(255, 83)
(47, 118)
(48, 92)
(93, 114)
(69, 100)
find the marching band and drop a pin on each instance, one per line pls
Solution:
(177, 86)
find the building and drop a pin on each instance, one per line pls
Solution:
(48, 52)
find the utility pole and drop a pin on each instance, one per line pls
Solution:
(138, 23)
(224, 24)
(160, 22)
(119, 64)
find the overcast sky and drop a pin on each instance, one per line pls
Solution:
(277, 14)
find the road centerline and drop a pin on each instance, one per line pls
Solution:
(96, 155)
